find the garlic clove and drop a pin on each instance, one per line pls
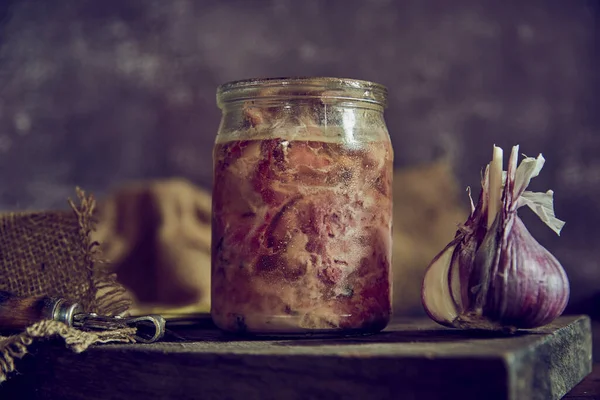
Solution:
(485, 267)
(456, 276)
(436, 296)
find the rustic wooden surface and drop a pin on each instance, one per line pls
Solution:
(410, 360)
(589, 388)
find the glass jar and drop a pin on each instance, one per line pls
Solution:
(302, 207)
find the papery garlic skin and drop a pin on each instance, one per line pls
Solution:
(499, 278)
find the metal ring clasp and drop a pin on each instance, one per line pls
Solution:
(156, 323)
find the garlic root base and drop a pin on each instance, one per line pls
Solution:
(474, 321)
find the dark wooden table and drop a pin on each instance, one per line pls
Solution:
(412, 359)
(589, 388)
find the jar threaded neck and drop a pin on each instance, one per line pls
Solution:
(328, 88)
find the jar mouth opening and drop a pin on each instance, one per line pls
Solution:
(330, 88)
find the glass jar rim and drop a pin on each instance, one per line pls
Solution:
(334, 88)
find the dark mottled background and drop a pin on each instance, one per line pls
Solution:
(98, 93)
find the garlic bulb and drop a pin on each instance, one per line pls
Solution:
(494, 275)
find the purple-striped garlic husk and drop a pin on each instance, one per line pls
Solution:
(494, 275)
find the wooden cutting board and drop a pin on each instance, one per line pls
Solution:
(411, 359)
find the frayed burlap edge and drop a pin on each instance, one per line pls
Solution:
(104, 296)
(110, 297)
(16, 346)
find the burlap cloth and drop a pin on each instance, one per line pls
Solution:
(52, 254)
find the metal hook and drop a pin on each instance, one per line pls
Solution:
(156, 323)
(150, 328)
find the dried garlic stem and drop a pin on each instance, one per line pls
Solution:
(495, 192)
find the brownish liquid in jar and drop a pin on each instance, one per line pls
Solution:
(302, 234)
